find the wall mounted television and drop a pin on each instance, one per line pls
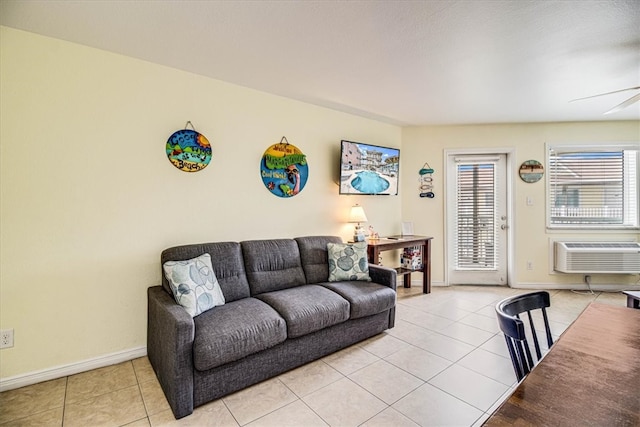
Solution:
(367, 169)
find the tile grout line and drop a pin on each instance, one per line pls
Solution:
(64, 400)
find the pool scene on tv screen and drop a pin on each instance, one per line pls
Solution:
(368, 169)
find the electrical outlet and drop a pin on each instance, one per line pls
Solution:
(6, 338)
(529, 265)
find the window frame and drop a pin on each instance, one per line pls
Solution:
(592, 147)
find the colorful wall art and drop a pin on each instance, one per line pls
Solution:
(531, 171)
(189, 150)
(284, 169)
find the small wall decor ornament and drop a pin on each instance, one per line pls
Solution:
(189, 150)
(284, 169)
(531, 171)
(425, 186)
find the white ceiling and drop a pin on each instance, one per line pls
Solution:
(403, 62)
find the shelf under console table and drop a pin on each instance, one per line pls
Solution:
(376, 246)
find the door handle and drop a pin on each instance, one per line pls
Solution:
(504, 226)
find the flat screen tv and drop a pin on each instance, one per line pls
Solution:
(368, 169)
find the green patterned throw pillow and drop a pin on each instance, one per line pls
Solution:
(194, 284)
(348, 261)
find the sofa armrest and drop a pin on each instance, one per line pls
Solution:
(383, 275)
(388, 277)
(170, 332)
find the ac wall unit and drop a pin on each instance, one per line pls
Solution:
(597, 257)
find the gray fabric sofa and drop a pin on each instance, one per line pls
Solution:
(280, 312)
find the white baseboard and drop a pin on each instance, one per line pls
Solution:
(418, 282)
(18, 381)
(598, 287)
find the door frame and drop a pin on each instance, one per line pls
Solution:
(510, 188)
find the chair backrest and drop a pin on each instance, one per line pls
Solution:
(515, 332)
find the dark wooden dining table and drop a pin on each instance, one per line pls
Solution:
(589, 377)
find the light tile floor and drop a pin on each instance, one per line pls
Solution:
(444, 364)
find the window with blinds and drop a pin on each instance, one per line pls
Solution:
(476, 228)
(592, 187)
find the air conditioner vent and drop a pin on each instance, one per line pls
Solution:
(615, 245)
(597, 257)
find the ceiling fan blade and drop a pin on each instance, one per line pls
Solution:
(625, 104)
(606, 93)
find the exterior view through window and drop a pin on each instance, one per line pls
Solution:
(592, 187)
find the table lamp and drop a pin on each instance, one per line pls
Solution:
(357, 216)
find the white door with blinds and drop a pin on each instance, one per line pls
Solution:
(477, 220)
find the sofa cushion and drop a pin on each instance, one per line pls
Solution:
(272, 265)
(235, 330)
(194, 285)
(365, 298)
(307, 308)
(227, 262)
(313, 255)
(348, 261)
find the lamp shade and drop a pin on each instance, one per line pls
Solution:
(357, 214)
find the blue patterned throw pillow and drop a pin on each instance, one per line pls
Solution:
(348, 261)
(194, 284)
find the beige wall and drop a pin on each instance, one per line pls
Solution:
(428, 144)
(89, 198)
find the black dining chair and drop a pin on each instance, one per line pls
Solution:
(515, 331)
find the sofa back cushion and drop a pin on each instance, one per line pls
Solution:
(272, 265)
(313, 254)
(227, 263)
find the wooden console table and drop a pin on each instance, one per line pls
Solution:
(400, 242)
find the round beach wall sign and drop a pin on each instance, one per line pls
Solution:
(284, 169)
(531, 171)
(189, 150)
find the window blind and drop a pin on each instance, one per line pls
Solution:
(475, 213)
(592, 187)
